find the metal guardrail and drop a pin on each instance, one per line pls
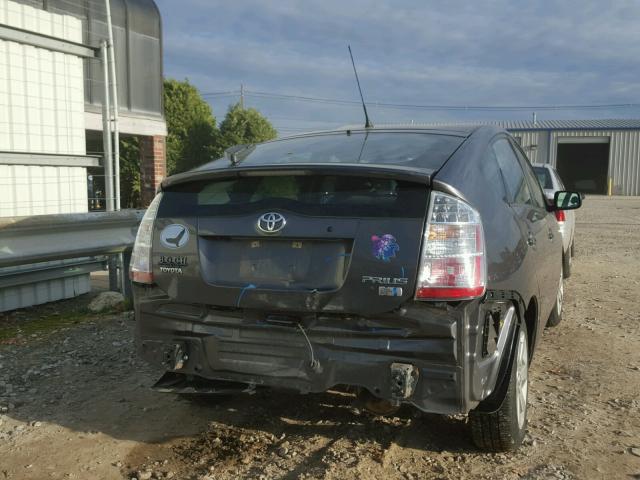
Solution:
(42, 272)
(42, 238)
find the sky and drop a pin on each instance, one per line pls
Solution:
(426, 53)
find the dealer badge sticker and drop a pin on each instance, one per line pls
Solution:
(174, 236)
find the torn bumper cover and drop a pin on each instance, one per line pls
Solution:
(421, 355)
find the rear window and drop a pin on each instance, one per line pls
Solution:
(544, 177)
(422, 150)
(318, 195)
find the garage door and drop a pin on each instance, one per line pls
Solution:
(583, 163)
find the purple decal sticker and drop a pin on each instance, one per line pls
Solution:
(385, 247)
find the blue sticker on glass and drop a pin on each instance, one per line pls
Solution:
(384, 247)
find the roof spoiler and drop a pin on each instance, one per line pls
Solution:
(416, 175)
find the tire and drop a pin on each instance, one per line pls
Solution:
(556, 314)
(504, 428)
(566, 263)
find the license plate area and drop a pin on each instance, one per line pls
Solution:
(298, 264)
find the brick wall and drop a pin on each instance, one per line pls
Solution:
(153, 166)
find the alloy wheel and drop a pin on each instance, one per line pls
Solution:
(560, 296)
(522, 380)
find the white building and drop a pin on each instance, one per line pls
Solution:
(50, 109)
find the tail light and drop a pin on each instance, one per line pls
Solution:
(453, 262)
(140, 270)
(560, 216)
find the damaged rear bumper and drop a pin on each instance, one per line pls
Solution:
(421, 355)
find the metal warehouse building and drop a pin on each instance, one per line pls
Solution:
(592, 156)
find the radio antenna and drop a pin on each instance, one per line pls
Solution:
(367, 122)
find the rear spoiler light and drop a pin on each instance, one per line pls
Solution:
(140, 270)
(453, 263)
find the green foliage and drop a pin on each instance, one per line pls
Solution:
(129, 173)
(193, 138)
(246, 125)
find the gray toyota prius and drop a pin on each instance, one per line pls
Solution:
(409, 265)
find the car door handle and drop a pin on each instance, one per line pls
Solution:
(531, 240)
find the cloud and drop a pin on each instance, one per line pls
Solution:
(463, 53)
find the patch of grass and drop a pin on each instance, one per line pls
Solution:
(18, 326)
(23, 329)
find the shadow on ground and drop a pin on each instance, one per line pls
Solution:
(86, 377)
(96, 384)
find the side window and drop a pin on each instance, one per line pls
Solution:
(537, 196)
(517, 188)
(492, 173)
(558, 179)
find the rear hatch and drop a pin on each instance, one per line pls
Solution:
(339, 240)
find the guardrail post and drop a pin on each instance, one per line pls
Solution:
(126, 283)
(113, 273)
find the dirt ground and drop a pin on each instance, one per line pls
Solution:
(75, 401)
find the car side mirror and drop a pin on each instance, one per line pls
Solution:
(564, 200)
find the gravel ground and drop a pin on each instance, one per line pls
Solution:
(75, 401)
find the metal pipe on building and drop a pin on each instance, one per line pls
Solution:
(116, 137)
(106, 131)
(108, 158)
(114, 95)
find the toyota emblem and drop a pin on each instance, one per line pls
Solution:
(271, 222)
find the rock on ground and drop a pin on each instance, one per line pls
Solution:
(106, 301)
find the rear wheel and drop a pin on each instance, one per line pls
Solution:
(504, 428)
(556, 314)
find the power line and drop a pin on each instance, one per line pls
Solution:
(229, 93)
(300, 97)
(407, 106)
(294, 129)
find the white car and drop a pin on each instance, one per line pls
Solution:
(551, 183)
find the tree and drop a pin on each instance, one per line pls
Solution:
(129, 173)
(192, 135)
(245, 125)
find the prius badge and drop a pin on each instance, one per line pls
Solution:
(271, 222)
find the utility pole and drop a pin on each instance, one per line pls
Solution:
(241, 96)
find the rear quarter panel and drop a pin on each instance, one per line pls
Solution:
(507, 265)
